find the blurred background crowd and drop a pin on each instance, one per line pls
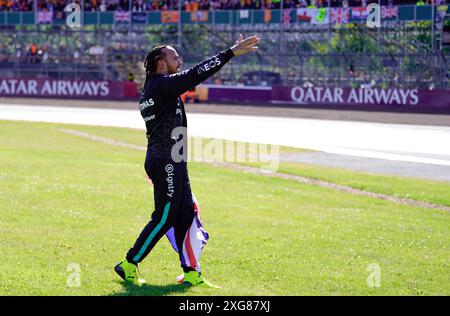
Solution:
(193, 5)
(403, 53)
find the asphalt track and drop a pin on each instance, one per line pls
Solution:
(416, 145)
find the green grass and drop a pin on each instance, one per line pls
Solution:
(65, 199)
(436, 192)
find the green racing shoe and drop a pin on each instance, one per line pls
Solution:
(129, 272)
(194, 278)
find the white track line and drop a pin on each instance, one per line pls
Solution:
(397, 142)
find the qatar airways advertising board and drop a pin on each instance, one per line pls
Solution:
(361, 96)
(19, 87)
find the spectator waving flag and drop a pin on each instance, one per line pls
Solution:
(244, 14)
(139, 17)
(359, 13)
(169, 16)
(267, 15)
(287, 17)
(304, 14)
(199, 16)
(389, 12)
(44, 17)
(339, 15)
(122, 17)
(320, 16)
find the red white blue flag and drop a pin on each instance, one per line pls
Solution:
(360, 13)
(287, 17)
(194, 241)
(44, 17)
(389, 12)
(339, 15)
(122, 16)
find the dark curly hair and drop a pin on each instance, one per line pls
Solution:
(150, 61)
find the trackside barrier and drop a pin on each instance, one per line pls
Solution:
(336, 97)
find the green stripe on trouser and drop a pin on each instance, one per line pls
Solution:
(153, 234)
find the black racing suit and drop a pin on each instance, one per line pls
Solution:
(163, 113)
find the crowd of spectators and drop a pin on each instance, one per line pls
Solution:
(16, 5)
(190, 5)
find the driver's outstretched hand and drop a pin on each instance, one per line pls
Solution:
(243, 46)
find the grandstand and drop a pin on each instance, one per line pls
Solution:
(409, 50)
(191, 5)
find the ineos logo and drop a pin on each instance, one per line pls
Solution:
(209, 65)
(169, 168)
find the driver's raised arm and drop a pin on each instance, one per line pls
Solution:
(179, 83)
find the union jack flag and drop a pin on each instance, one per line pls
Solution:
(122, 16)
(389, 12)
(339, 15)
(44, 17)
(194, 241)
(287, 16)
